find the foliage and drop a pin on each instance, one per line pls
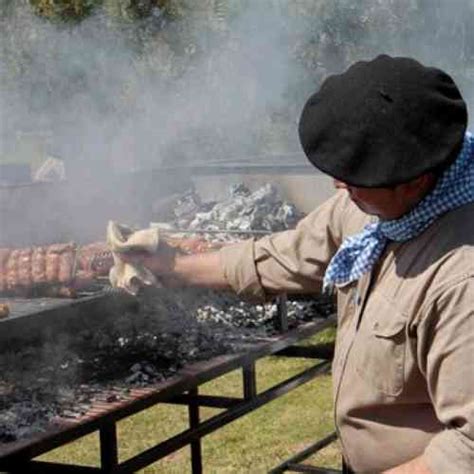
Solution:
(99, 58)
(64, 10)
(69, 11)
(133, 10)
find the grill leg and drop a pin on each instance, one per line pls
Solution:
(108, 448)
(281, 321)
(250, 381)
(196, 453)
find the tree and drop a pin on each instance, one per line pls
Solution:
(64, 10)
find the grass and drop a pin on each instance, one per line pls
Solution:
(252, 444)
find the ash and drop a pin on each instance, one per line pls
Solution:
(172, 329)
(243, 210)
(63, 376)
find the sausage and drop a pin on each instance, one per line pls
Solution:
(38, 265)
(59, 263)
(66, 265)
(12, 270)
(52, 264)
(25, 278)
(4, 256)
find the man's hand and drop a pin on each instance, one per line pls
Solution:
(161, 263)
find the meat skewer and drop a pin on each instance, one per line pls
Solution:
(31, 270)
(60, 270)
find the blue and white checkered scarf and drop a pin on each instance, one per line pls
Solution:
(359, 253)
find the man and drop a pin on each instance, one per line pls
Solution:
(396, 243)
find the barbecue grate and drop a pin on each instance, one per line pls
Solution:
(115, 403)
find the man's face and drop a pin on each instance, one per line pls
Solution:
(385, 203)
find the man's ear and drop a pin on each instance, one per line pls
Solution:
(420, 186)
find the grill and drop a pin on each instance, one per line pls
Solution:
(111, 405)
(35, 320)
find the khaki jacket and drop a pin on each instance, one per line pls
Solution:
(403, 372)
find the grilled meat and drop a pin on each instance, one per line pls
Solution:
(4, 310)
(47, 270)
(95, 258)
(60, 270)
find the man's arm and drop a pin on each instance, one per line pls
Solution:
(174, 269)
(415, 466)
(200, 270)
(291, 261)
(445, 350)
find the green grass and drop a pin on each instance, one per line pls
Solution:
(252, 444)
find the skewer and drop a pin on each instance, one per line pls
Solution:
(209, 231)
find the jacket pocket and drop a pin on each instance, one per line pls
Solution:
(382, 341)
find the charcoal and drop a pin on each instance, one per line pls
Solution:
(173, 329)
(263, 209)
(21, 415)
(135, 368)
(187, 205)
(239, 189)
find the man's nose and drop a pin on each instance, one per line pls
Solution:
(340, 184)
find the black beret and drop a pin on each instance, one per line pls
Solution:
(383, 122)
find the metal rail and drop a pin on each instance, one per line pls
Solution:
(293, 463)
(173, 230)
(192, 436)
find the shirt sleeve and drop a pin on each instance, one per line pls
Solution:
(293, 261)
(446, 356)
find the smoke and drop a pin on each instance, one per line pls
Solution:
(223, 80)
(436, 32)
(194, 89)
(212, 84)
